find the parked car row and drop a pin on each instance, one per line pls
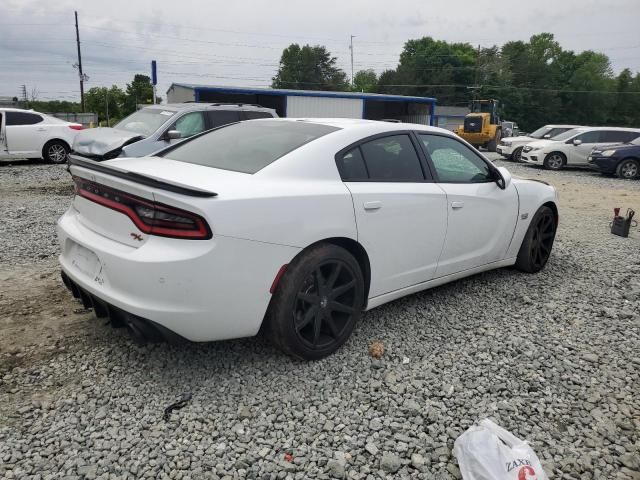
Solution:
(611, 150)
(29, 134)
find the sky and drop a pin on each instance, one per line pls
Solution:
(240, 42)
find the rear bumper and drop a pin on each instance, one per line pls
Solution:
(200, 290)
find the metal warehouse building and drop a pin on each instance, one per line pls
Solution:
(311, 103)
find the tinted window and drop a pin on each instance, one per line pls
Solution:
(254, 115)
(352, 166)
(556, 131)
(248, 146)
(392, 159)
(455, 162)
(189, 124)
(589, 137)
(223, 117)
(22, 118)
(613, 136)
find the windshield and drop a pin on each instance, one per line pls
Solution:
(540, 133)
(636, 141)
(248, 146)
(568, 134)
(145, 121)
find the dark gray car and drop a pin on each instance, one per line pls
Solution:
(158, 126)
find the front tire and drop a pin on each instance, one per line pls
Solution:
(555, 161)
(538, 241)
(55, 151)
(516, 155)
(629, 168)
(318, 301)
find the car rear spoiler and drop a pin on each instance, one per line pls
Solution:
(147, 180)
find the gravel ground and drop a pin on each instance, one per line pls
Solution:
(552, 357)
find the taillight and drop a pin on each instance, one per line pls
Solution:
(150, 217)
(76, 127)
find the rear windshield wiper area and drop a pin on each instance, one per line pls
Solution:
(139, 178)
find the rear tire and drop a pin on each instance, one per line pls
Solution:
(517, 153)
(538, 241)
(629, 168)
(317, 303)
(55, 151)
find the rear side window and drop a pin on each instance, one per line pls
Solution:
(254, 115)
(22, 118)
(248, 146)
(352, 167)
(615, 136)
(392, 159)
(223, 117)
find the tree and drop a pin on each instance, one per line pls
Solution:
(309, 68)
(98, 98)
(139, 91)
(365, 81)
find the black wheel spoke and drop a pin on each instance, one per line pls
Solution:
(318, 278)
(342, 289)
(331, 281)
(307, 317)
(308, 297)
(339, 307)
(317, 326)
(332, 326)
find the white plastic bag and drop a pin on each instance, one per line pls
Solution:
(488, 452)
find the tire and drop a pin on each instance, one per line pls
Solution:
(55, 151)
(538, 241)
(517, 153)
(492, 145)
(555, 161)
(317, 303)
(628, 168)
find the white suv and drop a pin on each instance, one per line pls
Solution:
(512, 147)
(574, 146)
(29, 134)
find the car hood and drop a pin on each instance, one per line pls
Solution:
(539, 143)
(99, 142)
(520, 138)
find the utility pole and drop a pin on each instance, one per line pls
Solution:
(351, 48)
(106, 104)
(80, 65)
(476, 87)
(25, 100)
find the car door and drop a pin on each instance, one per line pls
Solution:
(25, 134)
(218, 118)
(481, 216)
(400, 213)
(579, 154)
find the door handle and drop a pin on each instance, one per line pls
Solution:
(376, 205)
(457, 205)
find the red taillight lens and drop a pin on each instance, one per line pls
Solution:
(150, 217)
(76, 127)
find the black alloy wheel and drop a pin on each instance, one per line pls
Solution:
(317, 302)
(538, 241)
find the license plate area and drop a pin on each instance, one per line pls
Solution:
(85, 261)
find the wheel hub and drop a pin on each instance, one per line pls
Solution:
(324, 301)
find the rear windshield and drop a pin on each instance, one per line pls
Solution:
(248, 146)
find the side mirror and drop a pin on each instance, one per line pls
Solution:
(504, 178)
(577, 142)
(547, 136)
(172, 135)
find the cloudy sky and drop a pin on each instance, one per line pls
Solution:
(240, 42)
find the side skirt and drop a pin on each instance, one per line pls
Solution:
(388, 297)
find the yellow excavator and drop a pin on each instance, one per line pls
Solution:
(482, 127)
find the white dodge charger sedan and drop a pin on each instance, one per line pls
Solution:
(294, 226)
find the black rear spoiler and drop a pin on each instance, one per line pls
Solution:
(139, 178)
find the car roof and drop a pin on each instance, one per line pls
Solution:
(621, 129)
(362, 124)
(210, 106)
(563, 126)
(29, 110)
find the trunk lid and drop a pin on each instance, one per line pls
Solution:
(151, 179)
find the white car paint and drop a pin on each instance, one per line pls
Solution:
(509, 144)
(416, 234)
(576, 145)
(28, 141)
